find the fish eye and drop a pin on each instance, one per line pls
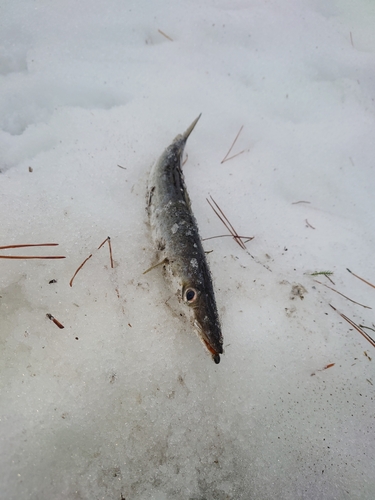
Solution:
(190, 295)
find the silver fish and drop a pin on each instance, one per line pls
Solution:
(175, 232)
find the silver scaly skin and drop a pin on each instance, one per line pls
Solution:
(176, 236)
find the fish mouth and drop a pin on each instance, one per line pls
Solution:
(215, 355)
(215, 351)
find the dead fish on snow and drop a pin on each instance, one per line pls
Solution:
(177, 239)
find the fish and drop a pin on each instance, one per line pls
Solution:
(179, 246)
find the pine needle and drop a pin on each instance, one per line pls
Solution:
(364, 334)
(226, 222)
(166, 36)
(247, 238)
(327, 274)
(230, 149)
(7, 247)
(364, 281)
(89, 257)
(342, 295)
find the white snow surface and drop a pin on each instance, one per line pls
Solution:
(124, 403)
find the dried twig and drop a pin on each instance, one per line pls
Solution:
(166, 36)
(31, 256)
(367, 337)
(342, 295)
(230, 149)
(364, 281)
(226, 222)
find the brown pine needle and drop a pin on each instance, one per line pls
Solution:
(229, 227)
(324, 273)
(308, 223)
(342, 295)
(364, 334)
(226, 222)
(110, 251)
(30, 245)
(325, 368)
(101, 244)
(368, 327)
(79, 268)
(247, 238)
(230, 149)
(110, 248)
(234, 156)
(7, 247)
(329, 366)
(32, 256)
(166, 36)
(364, 281)
(89, 257)
(330, 279)
(54, 320)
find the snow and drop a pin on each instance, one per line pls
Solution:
(124, 402)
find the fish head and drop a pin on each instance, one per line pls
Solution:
(200, 299)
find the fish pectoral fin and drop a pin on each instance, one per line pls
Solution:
(164, 261)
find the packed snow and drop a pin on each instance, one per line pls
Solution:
(124, 402)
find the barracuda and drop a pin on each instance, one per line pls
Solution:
(180, 251)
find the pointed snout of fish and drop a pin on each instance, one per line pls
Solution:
(215, 355)
(214, 352)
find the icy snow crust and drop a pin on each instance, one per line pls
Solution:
(124, 402)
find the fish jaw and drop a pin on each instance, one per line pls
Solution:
(214, 351)
(205, 317)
